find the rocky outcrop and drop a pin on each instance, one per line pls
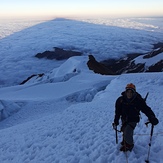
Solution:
(30, 77)
(58, 54)
(131, 63)
(158, 67)
(134, 63)
(153, 53)
(98, 67)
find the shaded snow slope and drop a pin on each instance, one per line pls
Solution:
(82, 132)
(59, 88)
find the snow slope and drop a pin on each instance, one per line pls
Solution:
(74, 123)
(66, 116)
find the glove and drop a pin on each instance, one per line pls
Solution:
(154, 121)
(116, 122)
(114, 126)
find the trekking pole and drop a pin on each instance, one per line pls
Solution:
(116, 132)
(152, 127)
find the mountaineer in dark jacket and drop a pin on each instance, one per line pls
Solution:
(128, 107)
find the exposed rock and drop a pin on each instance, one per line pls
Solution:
(98, 67)
(158, 67)
(58, 54)
(111, 66)
(123, 65)
(38, 75)
(154, 53)
(128, 65)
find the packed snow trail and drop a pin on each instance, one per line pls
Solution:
(83, 132)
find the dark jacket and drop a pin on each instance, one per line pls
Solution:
(129, 109)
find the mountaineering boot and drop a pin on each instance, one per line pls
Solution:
(126, 147)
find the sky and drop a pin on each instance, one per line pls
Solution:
(80, 8)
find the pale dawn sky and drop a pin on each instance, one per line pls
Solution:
(75, 8)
